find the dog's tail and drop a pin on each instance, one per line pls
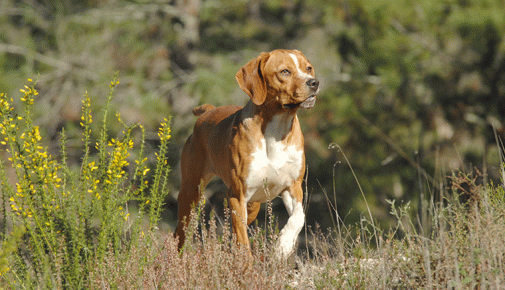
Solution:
(202, 109)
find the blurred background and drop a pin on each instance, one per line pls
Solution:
(411, 91)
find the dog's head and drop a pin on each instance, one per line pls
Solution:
(283, 75)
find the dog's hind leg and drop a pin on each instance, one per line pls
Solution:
(195, 176)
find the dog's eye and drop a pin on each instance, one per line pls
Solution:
(309, 69)
(285, 72)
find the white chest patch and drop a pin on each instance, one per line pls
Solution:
(275, 165)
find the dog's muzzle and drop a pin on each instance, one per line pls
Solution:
(309, 102)
(313, 84)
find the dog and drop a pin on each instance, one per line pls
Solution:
(257, 150)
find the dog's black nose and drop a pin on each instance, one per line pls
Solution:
(313, 84)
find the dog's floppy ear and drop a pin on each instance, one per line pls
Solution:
(251, 80)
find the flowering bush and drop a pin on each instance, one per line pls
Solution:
(63, 221)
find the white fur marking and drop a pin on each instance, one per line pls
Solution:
(297, 64)
(289, 234)
(275, 165)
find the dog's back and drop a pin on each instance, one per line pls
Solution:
(202, 109)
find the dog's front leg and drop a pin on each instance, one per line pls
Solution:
(239, 220)
(287, 238)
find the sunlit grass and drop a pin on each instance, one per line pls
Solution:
(464, 250)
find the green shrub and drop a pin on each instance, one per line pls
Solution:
(64, 220)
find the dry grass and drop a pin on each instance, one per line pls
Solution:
(465, 250)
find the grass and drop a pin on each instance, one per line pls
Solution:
(94, 227)
(464, 251)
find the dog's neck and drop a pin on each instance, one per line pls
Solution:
(276, 121)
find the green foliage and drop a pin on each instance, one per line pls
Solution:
(74, 218)
(419, 93)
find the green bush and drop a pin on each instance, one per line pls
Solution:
(63, 220)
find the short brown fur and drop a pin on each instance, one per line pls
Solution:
(225, 137)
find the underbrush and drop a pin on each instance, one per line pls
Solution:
(94, 227)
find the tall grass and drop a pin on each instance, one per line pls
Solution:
(463, 250)
(75, 229)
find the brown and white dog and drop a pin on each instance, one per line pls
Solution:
(257, 150)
